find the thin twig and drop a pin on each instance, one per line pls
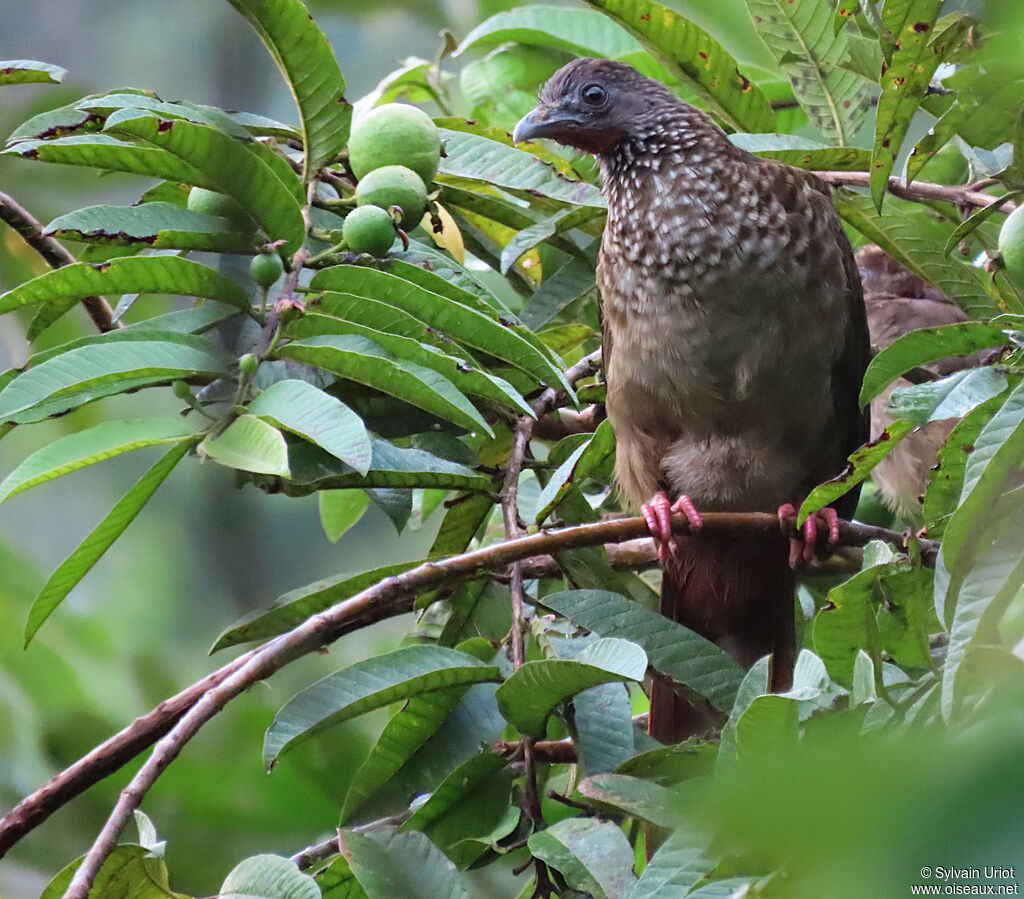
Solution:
(55, 255)
(918, 190)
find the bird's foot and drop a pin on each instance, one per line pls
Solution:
(658, 515)
(801, 549)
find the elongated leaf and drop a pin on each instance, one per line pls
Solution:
(917, 55)
(582, 461)
(926, 345)
(360, 359)
(858, 466)
(950, 397)
(529, 695)
(196, 320)
(369, 685)
(158, 225)
(579, 31)
(803, 152)
(130, 870)
(639, 798)
(26, 71)
(593, 856)
(535, 234)
(102, 441)
(340, 510)
(249, 444)
(573, 280)
(232, 165)
(91, 550)
(800, 36)
(696, 59)
(470, 381)
(603, 724)
(268, 877)
(303, 409)
(65, 380)
(143, 274)
(918, 240)
(104, 151)
(467, 325)
(482, 159)
(680, 862)
(672, 649)
(388, 864)
(306, 60)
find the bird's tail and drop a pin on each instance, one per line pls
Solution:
(737, 593)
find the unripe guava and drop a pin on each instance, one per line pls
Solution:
(369, 229)
(394, 185)
(266, 268)
(1011, 245)
(211, 202)
(394, 134)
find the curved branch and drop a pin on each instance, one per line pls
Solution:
(22, 221)
(918, 190)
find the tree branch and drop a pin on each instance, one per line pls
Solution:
(55, 255)
(918, 190)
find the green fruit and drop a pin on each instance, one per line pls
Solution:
(248, 364)
(369, 229)
(395, 134)
(1011, 245)
(394, 185)
(266, 268)
(210, 202)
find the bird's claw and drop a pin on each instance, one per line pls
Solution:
(658, 515)
(801, 549)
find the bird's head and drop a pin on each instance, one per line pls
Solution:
(593, 104)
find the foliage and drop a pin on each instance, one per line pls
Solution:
(404, 377)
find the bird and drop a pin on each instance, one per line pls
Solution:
(734, 343)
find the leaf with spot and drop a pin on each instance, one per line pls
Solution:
(859, 465)
(231, 165)
(696, 59)
(367, 685)
(642, 799)
(29, 71)
(918, 53)
(803, 152)
(801, 37)
(158, 225)
(360, 359)
(103, 441)
(306, 60)
(100, 539)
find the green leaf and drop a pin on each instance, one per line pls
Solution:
(143, 274)
(369, 685)
(320, 418)
(803, 152)
(754, 684)
(581, 32)
(904, 83)
(671, 648)
(603, 725)
(157, 225)
(593, 856)
(104, 151)
(27, 71)
(800, 36)
(950, 397)
(926, 345)
(91, 550)
(858, 466)
(535, 688)
(640, 798)
(580, 463)
(445, 313)
(197, 320)
(249, 444)
(64, 381)
(389, 864)
(978, 218)
(294, 607)
(678, 865)
(913, 236)
(232, 165)
(360, 359)
(339, 510)
(304, 56)
(696, 59)
(268, 877)
(129, 870)
(102, 441)
(573, 280)
(528, 238)
(482, 159)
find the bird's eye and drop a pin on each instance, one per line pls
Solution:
(593, 94)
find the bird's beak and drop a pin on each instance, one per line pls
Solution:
(541, 122)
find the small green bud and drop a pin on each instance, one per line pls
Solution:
(248, 364)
